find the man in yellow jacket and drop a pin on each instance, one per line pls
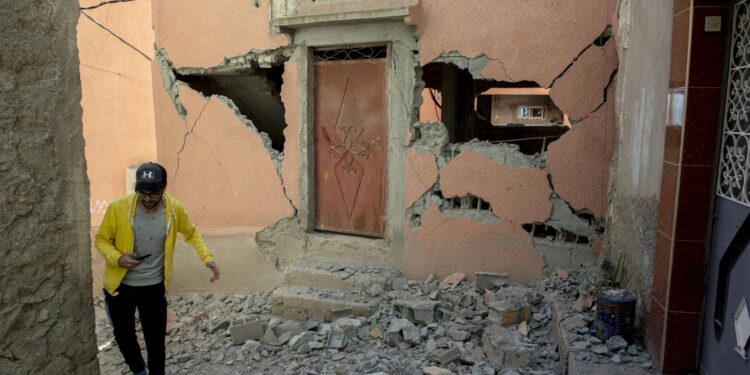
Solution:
(136, 239)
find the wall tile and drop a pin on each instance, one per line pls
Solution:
(688, 273)
(680, 41)
(681, 350)
(662, 260)
(693, 203)
(680, 5)
(703, 108)
(707, 49)
(667, 198)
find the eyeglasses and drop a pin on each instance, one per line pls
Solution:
(149, 195)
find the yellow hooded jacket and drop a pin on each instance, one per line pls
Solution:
(115, 237)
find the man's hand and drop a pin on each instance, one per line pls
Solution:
(126, 261)
(215, 270)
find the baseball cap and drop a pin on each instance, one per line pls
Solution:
(150, 177)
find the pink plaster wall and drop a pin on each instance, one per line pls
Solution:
(459, 244)
(290, 167)
(225, 178)
(117, 100)
(421, 173)
(579, 160)
(517, 194)
(581, 89)
(199, 33)
(531, 40)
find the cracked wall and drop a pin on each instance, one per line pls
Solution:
(212, 146)
(243, 180)
(47, 323)
(115, 48)
(560, 197)
(491, 190)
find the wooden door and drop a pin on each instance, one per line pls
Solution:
(350, 143)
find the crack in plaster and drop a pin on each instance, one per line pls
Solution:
(572, 62)
(172, 86)
(121, 39)
(188, 132)
(105, 3)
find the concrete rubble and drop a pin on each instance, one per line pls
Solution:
(418, 328)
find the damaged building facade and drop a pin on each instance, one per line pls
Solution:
(427, 137)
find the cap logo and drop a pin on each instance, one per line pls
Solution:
(147, 175)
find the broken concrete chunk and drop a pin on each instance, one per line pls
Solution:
(417, 311)
(616, 343)
(432, 370)
(445, 356)
(599, 349)
(297, 341)
(506, 348)
(336, 339)
(458, 333)
(491, 280)
(403, 329)
(508, 313)
(523, 328)
(215, 325)
(252, 330)
(574, 322)
(452, 280)
(473, 356)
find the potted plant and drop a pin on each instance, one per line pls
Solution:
(615, 306)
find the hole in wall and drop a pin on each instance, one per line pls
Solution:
(255, 91)
(604, 37)
(520, 113)
(555, 235)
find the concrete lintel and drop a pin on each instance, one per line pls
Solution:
(329, 19)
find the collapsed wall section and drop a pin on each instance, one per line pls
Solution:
(524, 210)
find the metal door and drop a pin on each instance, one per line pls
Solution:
(350, 144)
(726, 324)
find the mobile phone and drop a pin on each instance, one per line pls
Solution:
(141, 257)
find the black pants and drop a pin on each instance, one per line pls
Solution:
(152, 310)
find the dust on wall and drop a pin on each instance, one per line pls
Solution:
(47, 321)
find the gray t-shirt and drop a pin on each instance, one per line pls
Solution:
(150, 233)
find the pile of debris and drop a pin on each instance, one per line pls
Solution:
(489, 326)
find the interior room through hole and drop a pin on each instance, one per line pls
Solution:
(521, 113)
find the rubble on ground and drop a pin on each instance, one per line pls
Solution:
(451, 326)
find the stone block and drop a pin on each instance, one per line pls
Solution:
(445, 356)
(506, 348)
(417, 311)
(491, 280)
(251, 330)
(432, 370)
(508, 313)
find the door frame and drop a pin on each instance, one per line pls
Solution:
(386, 141)
(402, 109)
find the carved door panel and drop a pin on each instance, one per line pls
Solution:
(350, 146)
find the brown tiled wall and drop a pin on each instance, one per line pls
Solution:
(692, 127)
